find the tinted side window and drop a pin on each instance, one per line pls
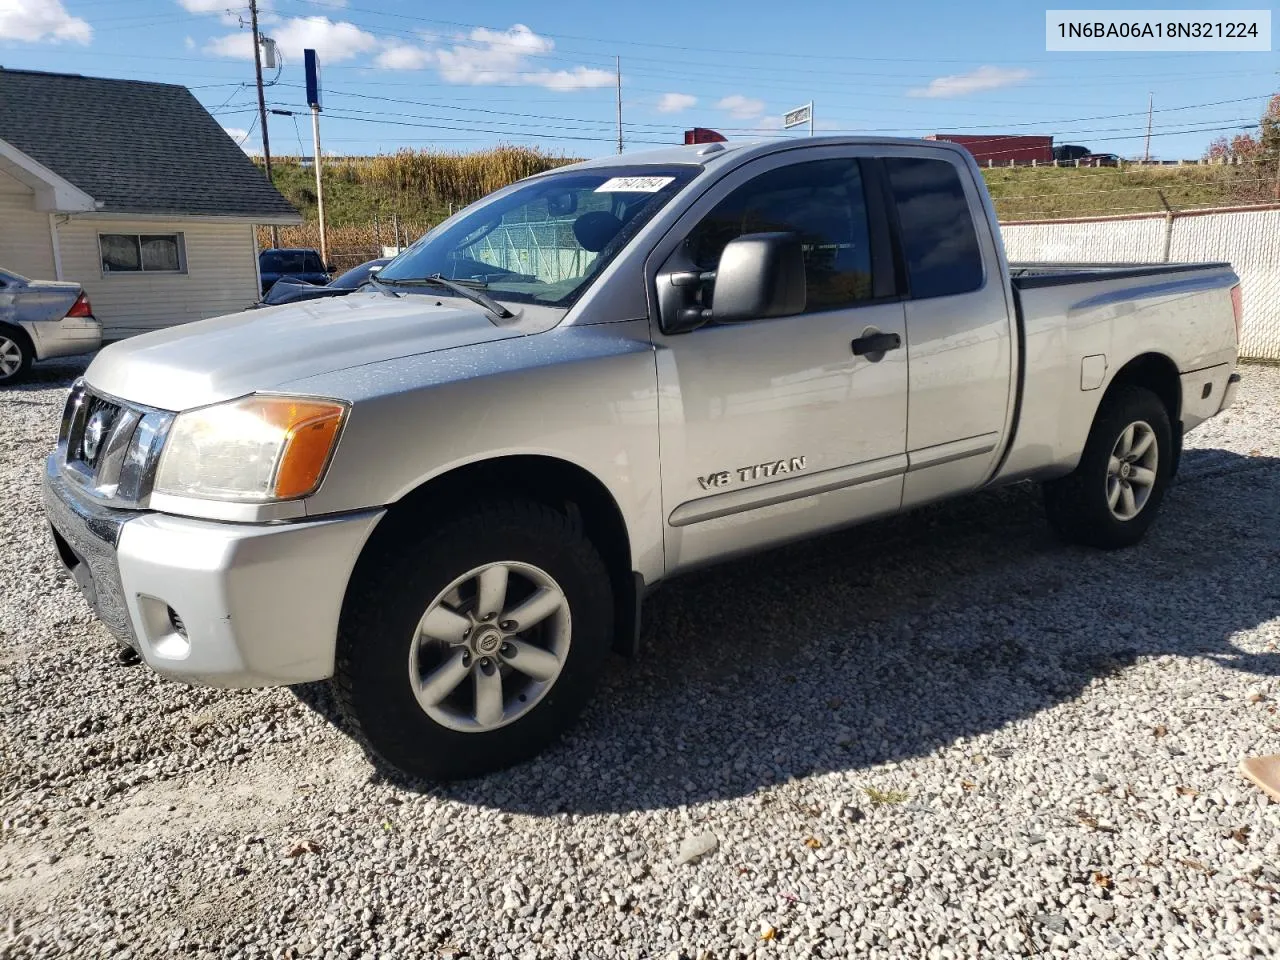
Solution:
(271, 263)
(313, 264)
(822, 201)
(938, 236)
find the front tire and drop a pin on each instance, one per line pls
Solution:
(1112, 497)
(470, 646)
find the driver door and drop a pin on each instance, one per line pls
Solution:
(773, 429)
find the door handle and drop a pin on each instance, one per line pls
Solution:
(875, 343)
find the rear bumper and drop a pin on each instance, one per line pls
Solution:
(66, 337)
(258, 603)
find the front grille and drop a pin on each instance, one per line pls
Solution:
(100, 416)
(111, 448)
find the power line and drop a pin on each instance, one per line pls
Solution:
(500, 133)
(672, 125)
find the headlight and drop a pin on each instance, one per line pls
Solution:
(255, 449)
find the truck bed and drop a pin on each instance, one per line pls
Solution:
(1077, 323)
(1028, 274)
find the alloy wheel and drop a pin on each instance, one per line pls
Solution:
(490, 646)
(1131, 470)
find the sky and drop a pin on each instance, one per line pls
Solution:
(396, 76)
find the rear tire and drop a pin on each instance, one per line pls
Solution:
(16, 354)
(1112, 497)
(431, 661)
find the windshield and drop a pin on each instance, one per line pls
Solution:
(546, 240)
(356, 275)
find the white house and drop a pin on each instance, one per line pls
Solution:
(133, 190)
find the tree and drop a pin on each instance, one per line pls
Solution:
(1247, 146)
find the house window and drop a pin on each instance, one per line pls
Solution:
(142, 253)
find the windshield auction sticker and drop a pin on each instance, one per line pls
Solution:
(634, 184)
(1142, 30)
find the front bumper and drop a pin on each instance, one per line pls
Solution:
(224, 604)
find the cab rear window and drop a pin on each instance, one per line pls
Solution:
(938, 236)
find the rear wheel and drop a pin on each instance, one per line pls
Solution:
(470, 646)
(16, 354)
(1112, 497)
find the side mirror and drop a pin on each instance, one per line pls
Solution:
(760, 275)
(328, 268)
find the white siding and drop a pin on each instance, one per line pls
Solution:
(1248, 239)
(221, 273)
(1127, 241)
(25, 244)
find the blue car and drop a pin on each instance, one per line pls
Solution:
(299, 264)
(288, 290)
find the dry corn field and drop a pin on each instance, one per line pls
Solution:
(349, 245)
(367, 197)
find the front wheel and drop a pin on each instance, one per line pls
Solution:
(1113, 495)
(469, 646)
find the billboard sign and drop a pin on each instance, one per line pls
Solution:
(798, 117)
(311, 67)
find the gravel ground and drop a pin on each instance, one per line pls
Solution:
(943, 735)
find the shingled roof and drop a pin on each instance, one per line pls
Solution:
(134, 146)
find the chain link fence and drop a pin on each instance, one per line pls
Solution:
(1248, 239)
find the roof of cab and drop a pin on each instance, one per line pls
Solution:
(710, 155)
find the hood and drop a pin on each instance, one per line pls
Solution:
(194, 364)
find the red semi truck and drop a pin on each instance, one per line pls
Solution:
(1001, 148)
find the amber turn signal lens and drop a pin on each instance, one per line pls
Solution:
(311, 429)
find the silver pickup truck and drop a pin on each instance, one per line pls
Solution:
(449, 491)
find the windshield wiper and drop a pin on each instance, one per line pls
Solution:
(466, 289)
(380, 286)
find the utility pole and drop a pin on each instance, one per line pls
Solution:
(1146, 152)
(617, 62)
(262, 103)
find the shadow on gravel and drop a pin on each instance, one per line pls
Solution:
(893, 639)
(46, 374)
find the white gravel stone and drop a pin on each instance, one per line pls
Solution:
(1065, 726)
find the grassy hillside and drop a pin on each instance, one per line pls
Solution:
(1030, 193)
(366, 197)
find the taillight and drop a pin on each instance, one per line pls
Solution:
(81, 307)
(1237, 308)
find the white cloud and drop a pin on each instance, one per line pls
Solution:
(333, 41)
(206, 6)
(238, 134)
(675, 102)
(189, 42)
(741, 108)
(236, 45)
(579, 78)
(975, 81)
(34, 21)
(405, 56)
(487, 57)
